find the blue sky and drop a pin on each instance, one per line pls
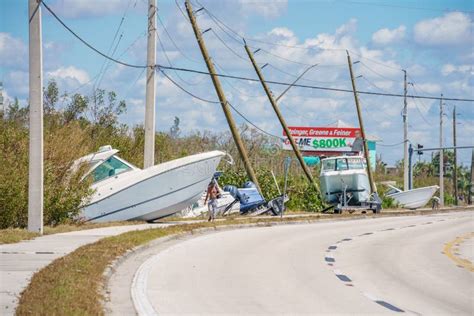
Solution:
(433, 40)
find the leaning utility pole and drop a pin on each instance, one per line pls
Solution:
(149, 155)
(441, 158)
(405, 134)
(222, 98)
(282, 120)
(35, 178)
(361, 125)
(455, 171)
(471, 180)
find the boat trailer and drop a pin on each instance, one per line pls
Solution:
(374, 203)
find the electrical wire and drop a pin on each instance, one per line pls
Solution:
(377, 73)
(391, 145)
(251, 123)
(242, 78)
(174, 43)
(183, 89)
(215, 102)
(171, 65)
(86, 43)
(227, 46)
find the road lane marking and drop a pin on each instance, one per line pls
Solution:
(451, 251)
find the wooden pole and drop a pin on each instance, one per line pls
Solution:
(455, 170)
(222, 98)
(282, 121)
(361, 125)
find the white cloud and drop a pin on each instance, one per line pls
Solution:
(448, 69)
(430, 88)
(453, 28)
(70, 73)
(13, 52)
(387, 36)
(265, 8)
(90, 8)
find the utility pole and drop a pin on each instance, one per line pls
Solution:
(405, 135)
(35, 177)
(455, 171)
(221, 96)
(149, 155)
(441, 158)
(471, 179)
(282, 120)
(361, 125)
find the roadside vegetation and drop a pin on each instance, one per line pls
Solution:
(77, 124)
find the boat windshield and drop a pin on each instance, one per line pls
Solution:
(355, 163)
(109, 168)
(343, 164)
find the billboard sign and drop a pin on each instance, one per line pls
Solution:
(322, 138)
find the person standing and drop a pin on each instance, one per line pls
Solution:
(212, 193)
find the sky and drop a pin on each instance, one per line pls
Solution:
(432, 40)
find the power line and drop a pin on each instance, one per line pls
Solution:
(227, 46)
(242, 78)
(215, 102)
(174, 43)
(86, 43)
(183, 89)
(171, 65)
(391, 145)
(377, 73)
(251, 123)
(317, 87)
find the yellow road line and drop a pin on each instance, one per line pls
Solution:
(452, 246)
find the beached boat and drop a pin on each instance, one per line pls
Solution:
(344, 175)
(412, 199)
(125, 192)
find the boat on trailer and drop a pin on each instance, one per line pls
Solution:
(123, 191)
(345, 184)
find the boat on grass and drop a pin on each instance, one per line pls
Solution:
(412, 199)
(123, 191)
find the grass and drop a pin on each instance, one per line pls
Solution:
(14, 235)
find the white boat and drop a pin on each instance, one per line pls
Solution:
(344, 174)
(412, 199)
(125, 192)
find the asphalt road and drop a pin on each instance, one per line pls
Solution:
(412, 264)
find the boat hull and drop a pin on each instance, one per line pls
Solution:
(416, 198)
(155, 192)
(333, 183)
